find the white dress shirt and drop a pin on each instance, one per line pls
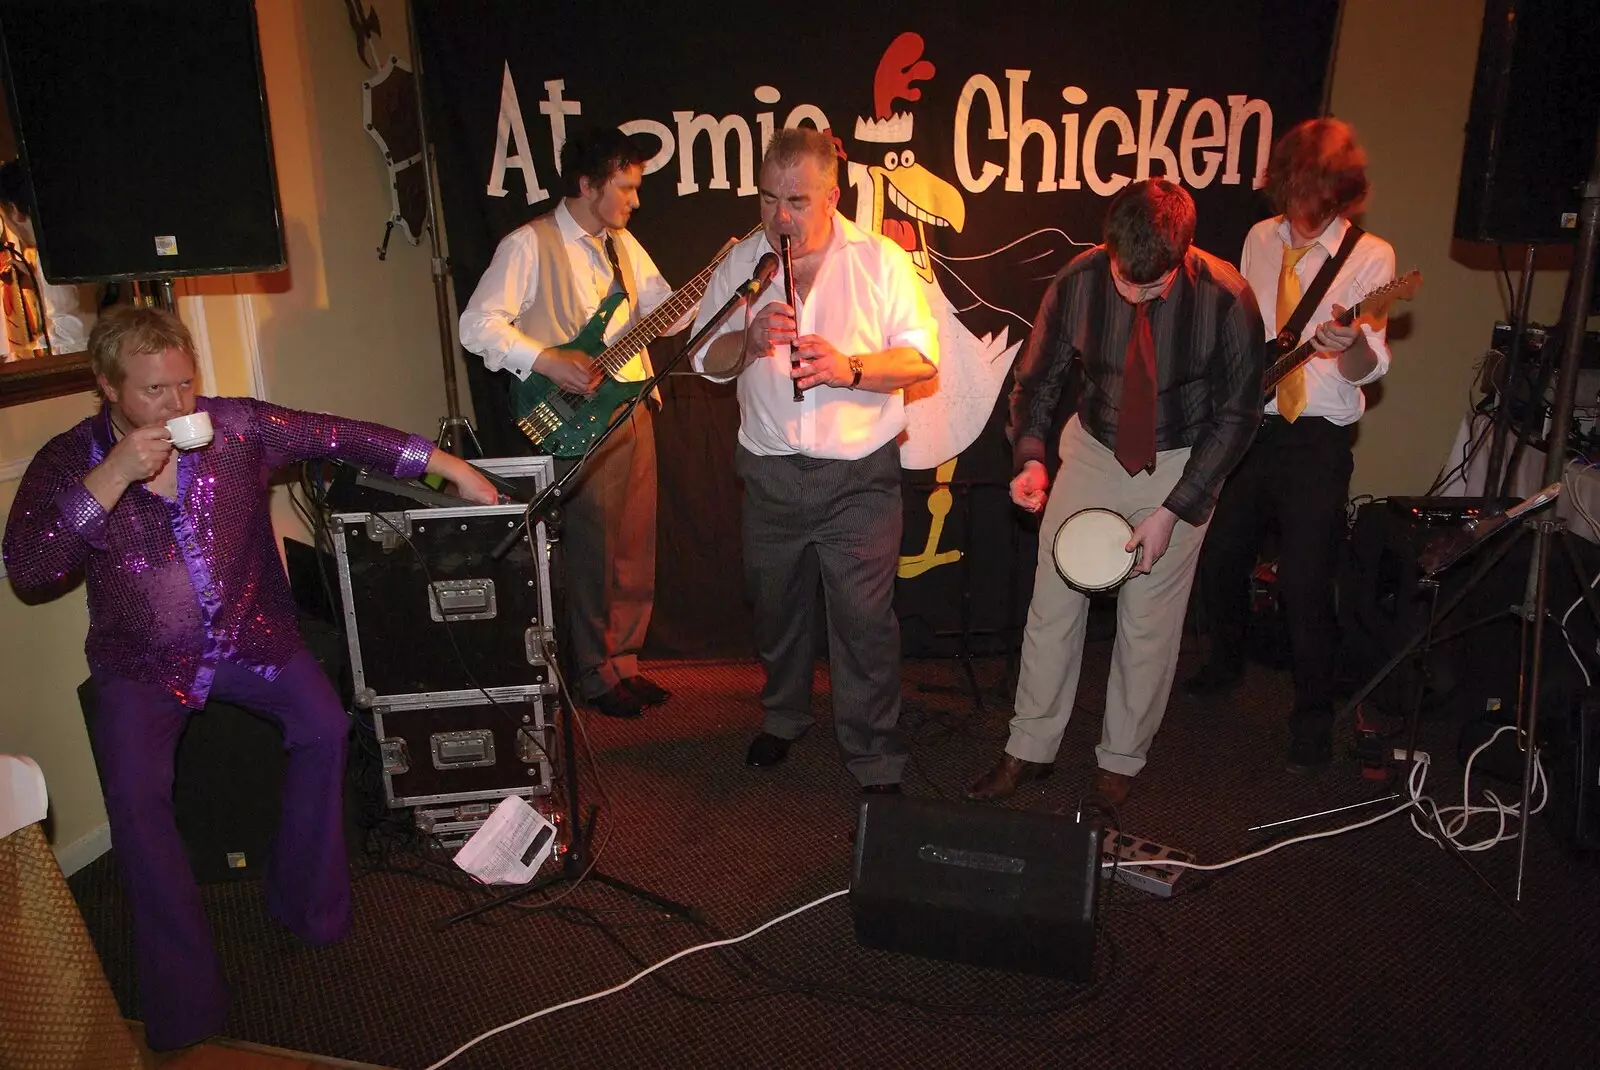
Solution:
(865, 299)
(1371, 265)
(490, 327)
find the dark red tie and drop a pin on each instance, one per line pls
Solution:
(1136, 419)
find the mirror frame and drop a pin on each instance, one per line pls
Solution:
(38, 378)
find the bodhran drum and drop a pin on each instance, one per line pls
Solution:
(1089, 550)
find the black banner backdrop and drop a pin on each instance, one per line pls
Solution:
(986, 141)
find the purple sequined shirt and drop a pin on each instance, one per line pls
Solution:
(177, 586)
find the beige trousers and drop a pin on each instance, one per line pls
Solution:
(1150, 612)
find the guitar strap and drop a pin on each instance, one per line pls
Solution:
(1289, 333)
(617, 253)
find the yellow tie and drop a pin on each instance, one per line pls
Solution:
(1292, 389)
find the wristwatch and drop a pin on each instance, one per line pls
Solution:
(855, 372)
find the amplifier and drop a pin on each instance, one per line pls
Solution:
(976, 884)
(1572, 757)
(1536, 336)
(1445, 512)
(464, 752)
(450, 826)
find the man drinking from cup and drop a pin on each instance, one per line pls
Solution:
(188, 600)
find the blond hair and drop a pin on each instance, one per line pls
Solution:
(127, 331)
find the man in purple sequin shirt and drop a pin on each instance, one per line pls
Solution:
(187, 600)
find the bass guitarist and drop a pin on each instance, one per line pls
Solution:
(1298, 470)
(547, 280)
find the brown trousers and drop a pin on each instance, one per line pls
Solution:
(608, 543)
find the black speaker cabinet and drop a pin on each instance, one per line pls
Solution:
(227, 785)
(1572, 760)
(976, 884)
(227, 788)
(1531, 131)
(143, 126)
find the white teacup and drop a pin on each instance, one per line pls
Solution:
(190, 432)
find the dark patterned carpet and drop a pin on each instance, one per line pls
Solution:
(1371, 949)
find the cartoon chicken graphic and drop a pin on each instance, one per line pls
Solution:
(983, 304)
(979, 331)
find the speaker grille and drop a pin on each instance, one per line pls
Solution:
(1531, 131)
(976, 884)
(143, 126)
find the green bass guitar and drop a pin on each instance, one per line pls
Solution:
(562, 423)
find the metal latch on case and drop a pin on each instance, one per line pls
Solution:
(396, 756)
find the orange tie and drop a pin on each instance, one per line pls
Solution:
(1292, 389)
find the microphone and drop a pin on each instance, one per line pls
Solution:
(766, 267)
(788, 299)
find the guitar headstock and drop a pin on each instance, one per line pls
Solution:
(1375, 306)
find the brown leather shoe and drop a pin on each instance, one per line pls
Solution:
(1112, 787)
(1007, 776)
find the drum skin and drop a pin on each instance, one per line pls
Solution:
(1089, 550)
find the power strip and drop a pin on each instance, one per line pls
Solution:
(1157, 880)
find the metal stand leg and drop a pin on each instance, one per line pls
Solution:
(456, 435)
(1414, 720)
(1546, 529)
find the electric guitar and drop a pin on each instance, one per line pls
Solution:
(563, 423)
(1374, 305)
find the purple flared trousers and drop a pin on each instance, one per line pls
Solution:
(182, 990)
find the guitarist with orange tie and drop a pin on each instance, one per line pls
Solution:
(559, 289)
(1306, 265)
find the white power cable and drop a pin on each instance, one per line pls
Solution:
(1452, 827)
(646, 972)
(1169, 863)
(1455, 826)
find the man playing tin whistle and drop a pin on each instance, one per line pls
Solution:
(1168, 337)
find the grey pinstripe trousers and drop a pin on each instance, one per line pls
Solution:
(805, 518)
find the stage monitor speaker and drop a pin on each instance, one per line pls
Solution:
(977, 884)
(143, 127)
(1531, 129)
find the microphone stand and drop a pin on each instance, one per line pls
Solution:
(578, 862)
